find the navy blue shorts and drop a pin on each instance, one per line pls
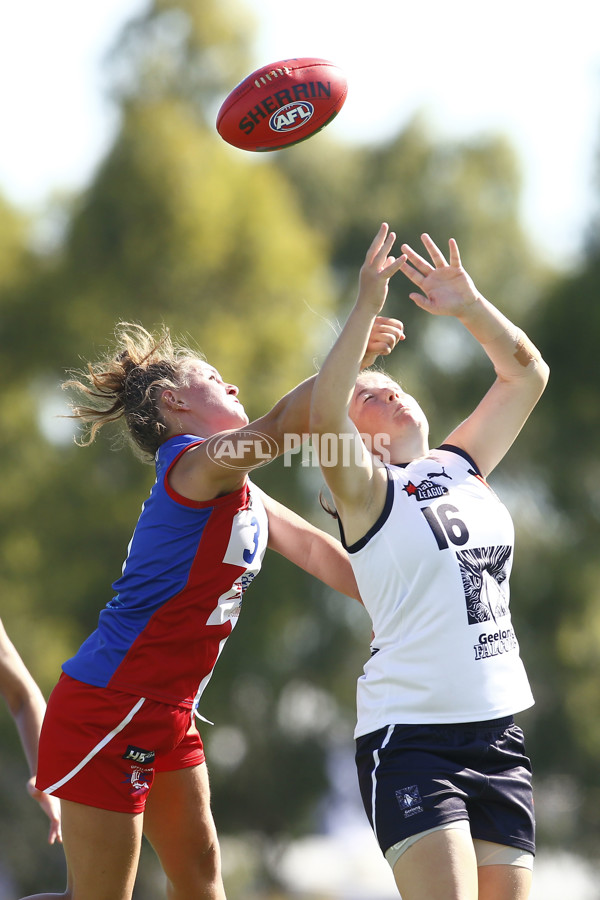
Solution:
(416, 777)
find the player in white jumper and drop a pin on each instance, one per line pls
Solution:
(442, 768)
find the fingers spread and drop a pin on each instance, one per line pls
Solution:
(420, 265)
(386, 246)
(454, 254)
(412, 274)
(378, 241)
(434, 251)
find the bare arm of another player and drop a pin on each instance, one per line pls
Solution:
(309, 548)
(27, 707)
(199, 477)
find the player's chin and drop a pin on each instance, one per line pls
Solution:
(235, 420)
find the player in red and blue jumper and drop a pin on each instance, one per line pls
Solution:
(119, 745)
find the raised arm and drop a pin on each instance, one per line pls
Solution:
(220, 463)
(356, 481)
(291, 414)
(27, 707)
(521, 373)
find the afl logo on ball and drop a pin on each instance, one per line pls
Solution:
(291, 116)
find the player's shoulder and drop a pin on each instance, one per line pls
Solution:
(457, 456)
(173, 448)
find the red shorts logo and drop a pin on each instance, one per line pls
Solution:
(140, 780)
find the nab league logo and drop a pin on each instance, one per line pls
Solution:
(427, 489)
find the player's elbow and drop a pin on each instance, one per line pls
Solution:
(324, 419)
(540, 373)
(544, 371)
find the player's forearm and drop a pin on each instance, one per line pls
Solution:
(28, 719)
(327, 560)
(290, 415)
(337, 378)
(511, 352)
(331, 566)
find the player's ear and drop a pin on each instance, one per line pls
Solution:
(171, 401)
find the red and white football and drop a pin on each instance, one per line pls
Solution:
(282, 104)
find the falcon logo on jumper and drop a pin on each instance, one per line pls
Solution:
(409, 800)
(426, 490)
(484, 574)
(291, 116)
(136, 754)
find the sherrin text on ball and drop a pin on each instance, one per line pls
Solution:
(282, 104)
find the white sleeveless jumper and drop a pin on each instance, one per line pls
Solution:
(433, 573)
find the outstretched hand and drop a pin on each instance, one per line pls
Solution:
(447, 289)
(384, 336)
(379, 266)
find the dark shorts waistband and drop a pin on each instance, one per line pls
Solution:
(485, 725)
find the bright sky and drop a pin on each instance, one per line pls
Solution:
(529, 68)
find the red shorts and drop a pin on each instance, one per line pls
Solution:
(103, 747)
